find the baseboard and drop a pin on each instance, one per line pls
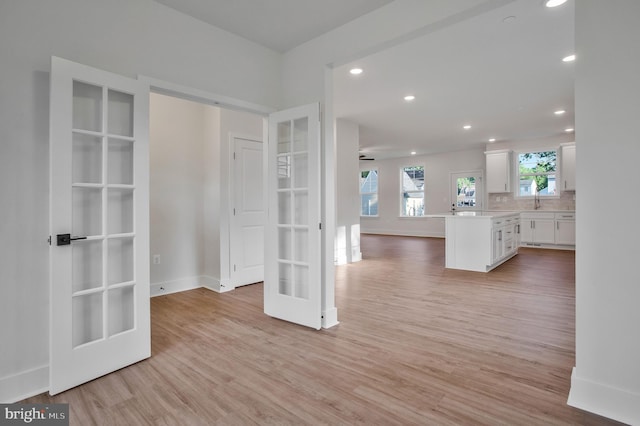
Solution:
(24, 385)
(214, 284)
(330, 318)
(616, 404)
(175, 286)
(402, 234)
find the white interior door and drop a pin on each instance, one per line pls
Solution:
(248, 213)
(99, 272)
(292, 288)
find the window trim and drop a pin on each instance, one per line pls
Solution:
(402, 191)
(516, 162)
(377, 192)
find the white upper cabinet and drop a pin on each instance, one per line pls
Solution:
(568, 167)
(498, 171)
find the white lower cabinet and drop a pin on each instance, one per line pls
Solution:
(566, 229)
(547, 229)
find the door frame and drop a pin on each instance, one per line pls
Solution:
(230, 211)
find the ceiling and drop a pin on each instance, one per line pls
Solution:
(277, 24)
(500, 71)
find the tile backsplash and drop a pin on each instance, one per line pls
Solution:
(509, 202)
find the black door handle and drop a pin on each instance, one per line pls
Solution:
(65, 239)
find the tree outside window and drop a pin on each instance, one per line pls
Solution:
(412, 202)
(537, 173)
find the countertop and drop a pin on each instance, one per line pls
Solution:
(473, 214)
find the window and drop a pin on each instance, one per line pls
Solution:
(368, 193)
(412, 203)
(537, 173)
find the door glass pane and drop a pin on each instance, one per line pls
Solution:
(86, 317)
(301, 278)
(86, 159)
(300, 171)
(284, 208)
(284, 137)
(87, 107)
(86, 215)
(301, 133)
(301, 245)
(86, 263)
(285, 285)
(120, 113)
(120, 260)
(120, 211)
(121, 312)
(284, 244)
(284, 171)
(466, 191)
(120, 162)
(301, 209)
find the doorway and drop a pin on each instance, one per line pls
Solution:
(191, 192)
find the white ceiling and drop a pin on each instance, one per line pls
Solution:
(277, 24)
(504, 78)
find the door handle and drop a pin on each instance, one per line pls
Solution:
(65, 239)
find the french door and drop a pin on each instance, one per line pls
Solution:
(99, 221)
(292, 288)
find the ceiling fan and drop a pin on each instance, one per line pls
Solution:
(363, 157)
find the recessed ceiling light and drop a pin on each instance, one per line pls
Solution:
(569, 58)
(409, 98)
(509, 19)
(356, 71)
(413, 153)
(466, 126)
(569, 129)
(554, 3)
(492, 140)
(559, 112)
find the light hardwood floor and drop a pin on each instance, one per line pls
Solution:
(416, 344)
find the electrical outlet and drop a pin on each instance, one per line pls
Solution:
(498, 199)
(156, 259)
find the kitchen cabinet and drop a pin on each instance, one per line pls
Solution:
(568, 167)
(479, 241)
(565, 229)
(537, 228)
(498, 171)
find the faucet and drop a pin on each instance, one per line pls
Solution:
(536, 200)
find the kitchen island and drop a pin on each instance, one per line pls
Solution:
(480, 240)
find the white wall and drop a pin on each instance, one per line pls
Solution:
(176, 196)
(606, 378)
(125, 36)
(438, 169)
(347, 244)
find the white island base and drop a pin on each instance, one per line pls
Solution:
(480, 241)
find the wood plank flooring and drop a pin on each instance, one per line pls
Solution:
(416, 344)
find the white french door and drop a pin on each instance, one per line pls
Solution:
(99, 222)
(248, 214)
(292, 287)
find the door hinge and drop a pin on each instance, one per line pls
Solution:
(234, 155)
(234, 268)
(49, 240)
(320, 226)
(234, 211)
